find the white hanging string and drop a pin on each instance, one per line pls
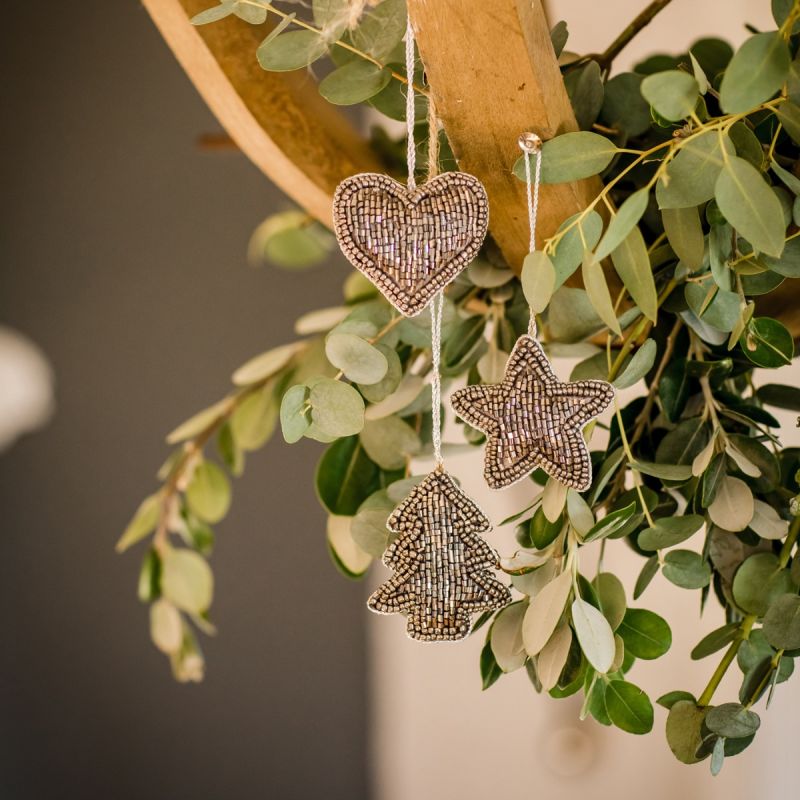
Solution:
(411, 149)
(437, 301)
(531, 144)
(437, 304)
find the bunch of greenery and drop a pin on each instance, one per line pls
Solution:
(698, 217)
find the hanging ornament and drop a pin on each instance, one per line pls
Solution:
(411, 242)
(441, 564)
(532, 419)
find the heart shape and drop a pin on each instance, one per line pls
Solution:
(410, 242)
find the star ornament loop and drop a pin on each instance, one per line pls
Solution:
(532, 419)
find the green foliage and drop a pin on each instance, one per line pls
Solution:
(698, 216)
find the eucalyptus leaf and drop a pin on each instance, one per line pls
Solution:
(506, 637)
(691, 176)
(142, 523)
(757, 70)
(582, 232)
(732, 721)
(572, 156)
(407, 391)
(558, 36)
(649, 571)
(208, 494)
(789, 115)
(715, 640)
(641, 363)
(355, 82)
(294, 413)
(584, 86)
(594, 635)
(646, 635)
(628, 707)
(684, 730)
(672, 93)
(538, 280)
(166, 627)
(611, 596)
(780, 396)
(359, 360)
(337, 409)
(290, 51)
(758, 582)
(186, 580)
(685, 235)
(669, 531)
(544, 612)
(767, 343)
(389, 383)
(686, 569)
(594, 281)
(610, 524)
(626, 217)
(389, 442)
(266, 365)
(716, 307)
(748, 203)
(381, 29)
(348, 557)
(767, 523)
(553, 656)
(346, 477)
(215, 13)
(632, 264)
(782, 622)
(254, 419)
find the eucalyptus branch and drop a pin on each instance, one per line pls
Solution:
(339, 43)
(674, 145)
(194, 447)
(747, 624)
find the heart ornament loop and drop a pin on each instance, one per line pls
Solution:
(410, 242)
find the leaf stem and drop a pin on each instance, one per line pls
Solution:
(743, 633)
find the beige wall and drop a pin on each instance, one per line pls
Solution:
(434, 734)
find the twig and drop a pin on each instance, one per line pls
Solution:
(606, 58)
(644, 415)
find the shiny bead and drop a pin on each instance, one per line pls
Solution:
(529, 142)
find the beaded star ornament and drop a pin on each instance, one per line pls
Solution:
(411, 241)
(532, 419)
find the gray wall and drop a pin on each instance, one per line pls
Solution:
(122, 255)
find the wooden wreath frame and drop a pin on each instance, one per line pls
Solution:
(306, 146)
